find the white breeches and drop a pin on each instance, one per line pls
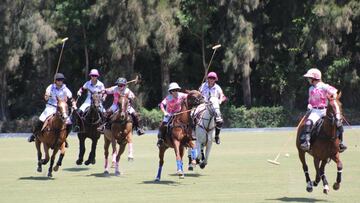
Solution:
(50, 110)
(316, 114)
(87, 104)
(115, 107)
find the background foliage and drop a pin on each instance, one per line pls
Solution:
(266, 48)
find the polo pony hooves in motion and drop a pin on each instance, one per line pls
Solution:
(204, 124)
(178, 136)
(89, 122)
(53, 135)
(120, 132)
(324, 147)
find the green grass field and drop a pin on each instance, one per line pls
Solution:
(237, 172)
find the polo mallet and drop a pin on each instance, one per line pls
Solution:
(62, 48)
(136, 80)
(274, 161)
(207, 69)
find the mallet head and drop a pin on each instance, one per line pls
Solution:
(63, 40)
(216, 46)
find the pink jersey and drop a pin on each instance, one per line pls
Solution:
(319, 93)
(173, 104)
(115, 90)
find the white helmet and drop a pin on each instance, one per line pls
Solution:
(313, 73)
(174, 86)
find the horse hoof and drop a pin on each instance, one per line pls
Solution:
(44, 161)
(39, 169)
(202, 165)
(93, 162)
(130, 159)
(87, 162)
(326, 189)
(309, 189)
(336, 186)
(117, 173)
(181, 176)
(50, 175)
(56, 168)
(79, 162)
(190, 168)
(157, 179)
(315, 184)
(106, 173)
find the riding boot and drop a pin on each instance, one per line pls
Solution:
(161, 134)
(340, 132)
(36, 130)
(217, 131)
(306, 136)
(137, 124)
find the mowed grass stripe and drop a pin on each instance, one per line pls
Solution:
(237, 172)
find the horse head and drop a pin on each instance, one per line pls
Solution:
(123, 103)
(62, 108)
(331, 111)
(96, 99)
(194, 98)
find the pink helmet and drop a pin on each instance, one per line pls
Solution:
(212, 75)
(94, 72)
(313, 73)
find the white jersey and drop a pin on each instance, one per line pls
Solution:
(214, 91)
(63, 92)
(98, 87)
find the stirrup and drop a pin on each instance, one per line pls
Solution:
(31, 138)
(76, 129)
(101, 128)
(305, 146)
(140, 131)
(342, 147)
(160, 142)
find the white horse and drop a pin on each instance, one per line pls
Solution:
(204, 117)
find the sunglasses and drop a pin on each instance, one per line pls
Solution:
(176, 90)
(60, 80)
(211, 78)
(121, 85)
(95, 76)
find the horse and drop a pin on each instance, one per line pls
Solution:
(121, 132)
(179, 138)
(204, 121)
(324, 148)
(53, 135)
(90, 121)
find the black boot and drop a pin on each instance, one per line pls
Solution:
(306, 136)
(340, 132)
(161, 134)
(217, 131)
(39, 124)
(137, 124)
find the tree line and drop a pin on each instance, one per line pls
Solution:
(266, 48)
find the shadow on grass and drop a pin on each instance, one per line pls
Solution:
(161, 182)
(75, 169)
(193, 175)
(36, 178)
(102, 175)
(297, 199)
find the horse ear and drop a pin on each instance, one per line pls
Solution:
(339, 94)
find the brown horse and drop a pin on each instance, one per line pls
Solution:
(180, 136)
(53, 135)
(324, 148)
(90, 121)
(120, 132)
